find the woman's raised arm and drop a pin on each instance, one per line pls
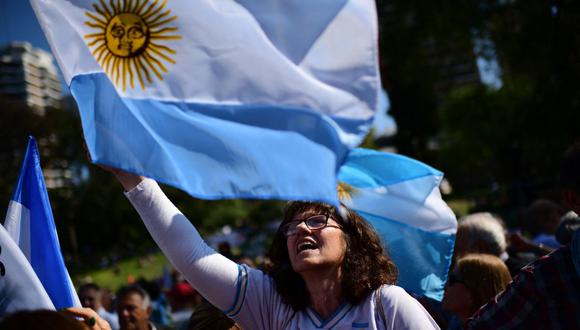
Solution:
(212, 274)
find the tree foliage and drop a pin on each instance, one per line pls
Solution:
(511, 136)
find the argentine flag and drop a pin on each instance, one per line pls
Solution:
(223, 99)
(30, 223)
(400, 197)
(20, 288)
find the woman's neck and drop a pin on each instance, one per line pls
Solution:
(325, 290)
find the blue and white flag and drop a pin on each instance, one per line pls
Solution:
(400, 197)
(223, 99)
(30, 223)
(20, 288)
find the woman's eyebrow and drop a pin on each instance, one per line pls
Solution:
(307, 214)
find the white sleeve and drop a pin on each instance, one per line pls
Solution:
(213, 275)
(403, 311)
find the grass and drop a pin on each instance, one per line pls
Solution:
(125, 271)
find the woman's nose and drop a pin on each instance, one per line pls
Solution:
(302, 227)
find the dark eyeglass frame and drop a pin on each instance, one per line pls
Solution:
(291, 227)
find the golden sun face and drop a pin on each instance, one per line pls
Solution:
(127, 44)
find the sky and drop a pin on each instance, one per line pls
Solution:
(17, 22)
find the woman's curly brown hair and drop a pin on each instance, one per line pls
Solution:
(365, 268)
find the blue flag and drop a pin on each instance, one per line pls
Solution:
(223, 99)
(400, 197)
(30, 223)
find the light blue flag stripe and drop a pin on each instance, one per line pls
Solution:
(422, 257)
(45, 256)
(369, 169)
(261, 142)
(400, 197)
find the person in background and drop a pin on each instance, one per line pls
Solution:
(475, 279)
(542, 219)
(108, 301)
(484, 232)
(160, 309)
(90, 295)
(546, 293)
(477, 233)
(183, 300)
(480, 233)
(134, 309)
(208, 317)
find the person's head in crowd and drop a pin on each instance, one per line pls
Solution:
(107, 299)
(90, 296)
(475, 279)
(543, 217)
(41, 319)
(480, 233)
(568, 226)
(246, 261)
(570, 178)
(208, 317)
(152, 288)
(133, 308)
(317, 239)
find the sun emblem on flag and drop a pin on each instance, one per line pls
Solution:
(344, 191)
(129, 42)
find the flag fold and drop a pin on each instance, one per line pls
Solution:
(400, 197)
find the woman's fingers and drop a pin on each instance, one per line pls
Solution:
(90, 317)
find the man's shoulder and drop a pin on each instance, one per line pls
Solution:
(555, 268)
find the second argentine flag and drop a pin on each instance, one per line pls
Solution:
(247, 98)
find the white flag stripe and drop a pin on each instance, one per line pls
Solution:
(223, 46)
(17, 223)
(434, 216)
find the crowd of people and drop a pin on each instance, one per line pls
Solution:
(328, 269)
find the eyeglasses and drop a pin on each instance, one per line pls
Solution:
(314, 222)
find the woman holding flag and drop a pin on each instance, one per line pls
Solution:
(329, 268)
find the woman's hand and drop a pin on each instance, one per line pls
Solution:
(89, 317)
(127, 180)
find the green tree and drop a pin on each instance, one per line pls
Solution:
(515, 136)
(419, 42)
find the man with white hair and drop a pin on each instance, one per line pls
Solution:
(481, 233)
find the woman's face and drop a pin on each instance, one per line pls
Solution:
(457, 298)
(317, 249)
